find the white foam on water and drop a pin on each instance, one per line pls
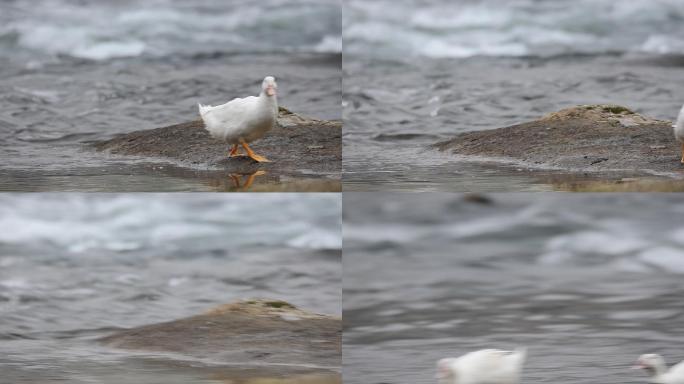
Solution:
(317, 239)
(106, 50)
(444, 28)
(482, 226)
(329, 44)
(663, 44)
(104, 30)
(77, 41)
(178, 281)
(445, 49)
(556, 257)
(596, 242)
(667, 259)
(125, 223)
(128, 278)
(16, 283)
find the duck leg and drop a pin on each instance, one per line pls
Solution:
(234, 151)
(253, 155)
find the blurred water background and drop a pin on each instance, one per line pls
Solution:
(587, 282)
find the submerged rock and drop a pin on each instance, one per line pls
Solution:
(252, 337)
(296, 145)
(586, 138)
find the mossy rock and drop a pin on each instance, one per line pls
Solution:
(268, 332)
(270, 303)
(600, 138)
(617, 109)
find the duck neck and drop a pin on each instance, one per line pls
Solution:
(657, 371)
(264, 96)
(269, 100)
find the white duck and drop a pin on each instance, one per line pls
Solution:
(241, 121)
(655, 366)
(679, 130)
(486, 366)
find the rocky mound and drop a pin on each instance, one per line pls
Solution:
(297, 145)
(272, 334)
(586, 138)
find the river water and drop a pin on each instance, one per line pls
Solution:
(586, 282)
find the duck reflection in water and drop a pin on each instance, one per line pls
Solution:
(248, 179)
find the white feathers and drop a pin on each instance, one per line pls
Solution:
(486, 366)
(493, 366)
(655, 366)
(679, 126)
(203, 108)
(246, 118)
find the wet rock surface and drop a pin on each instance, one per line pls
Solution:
(299, 148)
(253, 338)
(582, 139)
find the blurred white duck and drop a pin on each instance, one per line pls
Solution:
(241, 121)
(486, 366)
(679, 130)
(655, 366)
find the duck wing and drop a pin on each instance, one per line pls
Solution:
(675, 375)
(232, 116)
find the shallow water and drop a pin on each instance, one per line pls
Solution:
(394, 110)
(72, 72)
(587, 282)
(76, 267)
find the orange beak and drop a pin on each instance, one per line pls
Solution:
(270, 91)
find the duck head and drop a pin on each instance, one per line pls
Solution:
(652, 363)
(269, 86)
(445, 373)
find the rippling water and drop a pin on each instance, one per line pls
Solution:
(73, 72)
(586, 282)
(76, 267)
